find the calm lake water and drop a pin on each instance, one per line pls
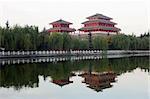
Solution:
(118, 78)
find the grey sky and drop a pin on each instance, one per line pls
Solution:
(131, 15)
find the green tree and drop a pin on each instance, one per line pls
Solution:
(84, 44)
(120, 42)
(56, 41)
(75, 43)
(66, 41)
(100, 43)
(1, 36)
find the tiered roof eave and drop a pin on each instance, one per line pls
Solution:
(63, 29)
(99, 28)
(99, 16)
(100, 21)
(60, 22)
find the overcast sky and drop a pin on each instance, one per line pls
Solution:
(131, 15)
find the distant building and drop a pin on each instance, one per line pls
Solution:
(99, 24)
(61, 26)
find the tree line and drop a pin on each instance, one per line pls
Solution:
(29, 38)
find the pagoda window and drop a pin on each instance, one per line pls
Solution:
(62, 25)
(54, 25)
(102, 24)
(97, 23)
(65, 25)
(93, 24)
(89, 24)
(57, 25)
(86, 25)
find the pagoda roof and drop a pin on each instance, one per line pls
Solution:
(60, 22)
(62, 28)
(99, 16)
(99, 20)
(91, 28)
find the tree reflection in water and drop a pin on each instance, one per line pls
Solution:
(97, 74)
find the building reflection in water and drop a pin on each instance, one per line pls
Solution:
(64, 81)
(99, 81)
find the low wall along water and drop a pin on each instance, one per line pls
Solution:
(20, 54)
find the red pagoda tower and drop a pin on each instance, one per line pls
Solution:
(61, 26)
(99, 24)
